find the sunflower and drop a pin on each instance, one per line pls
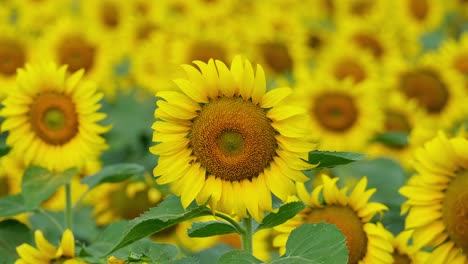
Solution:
(70, 43)
(362, 11)
(351, 213)
(437, 199)
(418, 16)
(123, 201)
(46, 253)
(405, 253)
(15, 52)
(342, 115)
(52, 119)
(222, 137)
(355, 64)
(435, 88)
(454, 54)
(400, 116)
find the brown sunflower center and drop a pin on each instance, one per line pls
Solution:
(349, 223)
(110, 15)
(336, 112)
(361, 8)
(204, 51)
(12, 56)
(455, 210)
(277, 57)
(129, 207)
(426, 87)
(461, 63)
(419, 8)
(349, 68)
(4, 186)
(314, 41)
(233, 139)
(145, 30)
(401, 258)
(53, 118)
(77, 53)
(396, 122)
(369, 43)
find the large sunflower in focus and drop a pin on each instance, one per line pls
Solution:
(438, 200)
(342, 115)
(52, 119)
(224, 140)
(351, 213)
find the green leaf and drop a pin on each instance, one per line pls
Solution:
(315, 243)
(212, 254)
(114, 173)
(211, 228)
(329, 159)
(12, 234)
(105, 240)
(238, 257)
(4, 150)
(148, 251)
(284, 213)
(39, 184)
(12, 205)
(396, 139)
(166, 214)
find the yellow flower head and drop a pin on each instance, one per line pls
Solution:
(46, 253)
(438, 198)
(223, 139)
(52, 118)
(351, 213)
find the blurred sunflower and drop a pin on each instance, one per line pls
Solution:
(454, 54)
(437, 199)
(403, 252)
(355, 64)
(46, 253)
(400, 116)
(123, 201)
(111, 21)
(436, 89)
(418, 16)
(15, 52)
(342, 115)
(70, 43)
(351, 213)
(222, 137)
(362, 11)
(52, 119)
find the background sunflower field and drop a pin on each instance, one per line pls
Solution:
(223, 131)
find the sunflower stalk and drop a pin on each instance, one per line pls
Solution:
(247, 234)
(68, 208)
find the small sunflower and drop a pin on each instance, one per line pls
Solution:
(400, 116)
(403, 252)
(342, 115)
(46, 253)
(124, 200)
(222, 137)
(15, 52)
(454, 54)
(362, 11)
(52, 118)
(351, 213)
(435, 88)
(438, 199)
(419, 16)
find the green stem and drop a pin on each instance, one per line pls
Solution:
(231, 221)
(247, 235)
(68, 208)
(51, 219)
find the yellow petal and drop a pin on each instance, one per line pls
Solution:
(275, 96)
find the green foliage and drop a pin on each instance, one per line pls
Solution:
(12, 205)
(12, 234)
(394, 139)
(238, 257)
(39, 184)
(114, 173)
(315, 243)
(166, 214)
(148, 251)
(211, 228)
(329, 159)
(284, 213)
